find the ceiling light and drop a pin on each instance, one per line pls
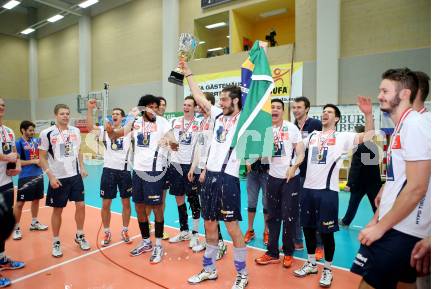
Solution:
(227, 36)
(27, 31)
(202, 42)
(87, 3)
(215, 49)
(55, 18)
(216, 25)
(273, 12)
(11, 4)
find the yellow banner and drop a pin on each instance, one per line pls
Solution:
(215, 82)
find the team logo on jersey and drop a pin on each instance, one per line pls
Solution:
(73, 137)
(331, 141)
(396, 144)
(220, 134)
(278, 149)
(185, 138)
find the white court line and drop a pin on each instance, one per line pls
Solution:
(28, 210)
(67, 261)
(20, 279)
(230, 242)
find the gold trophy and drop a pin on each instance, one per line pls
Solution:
(187, 45)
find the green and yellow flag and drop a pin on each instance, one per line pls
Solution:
(253, 136)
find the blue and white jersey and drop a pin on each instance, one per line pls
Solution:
(324, 158)
(411, 141)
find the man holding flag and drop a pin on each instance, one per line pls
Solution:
(220, 194)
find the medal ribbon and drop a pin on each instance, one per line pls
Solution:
(188, 125)
(147, 130)
(322, 142)
(422, 110)
(397, 132)
(5, 136)
(65, 140)
(227, 125)
(32, 147)
(277, 135)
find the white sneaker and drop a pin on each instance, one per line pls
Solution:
(82, 242)
(200, 246)
(221, 250)
(37, 226)
(241, 281)
(202, 276)
(182, 236)
(157, 254)
(306, 269)
(16, 235)
(194, 240)
(56, 249)
(326, 278)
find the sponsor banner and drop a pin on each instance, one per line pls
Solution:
(215, 82)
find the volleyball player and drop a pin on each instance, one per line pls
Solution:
(30, 180)
(282, 187)
(220, 194)
(185, 129)
(198, 167)
(61, 159)
(149, 132)
(116, 173)
(9, 166)
(403, 217)
(319, 198)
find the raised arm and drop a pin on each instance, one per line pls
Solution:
(365, 105)
(90, 106)
(194, 87)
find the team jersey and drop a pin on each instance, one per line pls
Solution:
(219, 152)
(62, 150)
(324, 158)
(146, 136)
(28, 150)
(285, 137)
(204, 139)
(7, 142)
(186, 133)
(411, 141)
(116, 153)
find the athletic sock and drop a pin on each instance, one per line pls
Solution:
(17, 226)
(124, 229)
(79, 233)
(106, 230)
(312, 259)
(240, 260)
(209, 258)
(195, 227)
(327, 265)
(34, 221)
(56, 239)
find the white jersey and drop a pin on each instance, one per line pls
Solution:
(324, 158)
(285, 137)
(411, 141)
(146, 136)
(7, 142)
(185, 132)
(224, 130)
(116, 153)
(62, 150)
(205, 137)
